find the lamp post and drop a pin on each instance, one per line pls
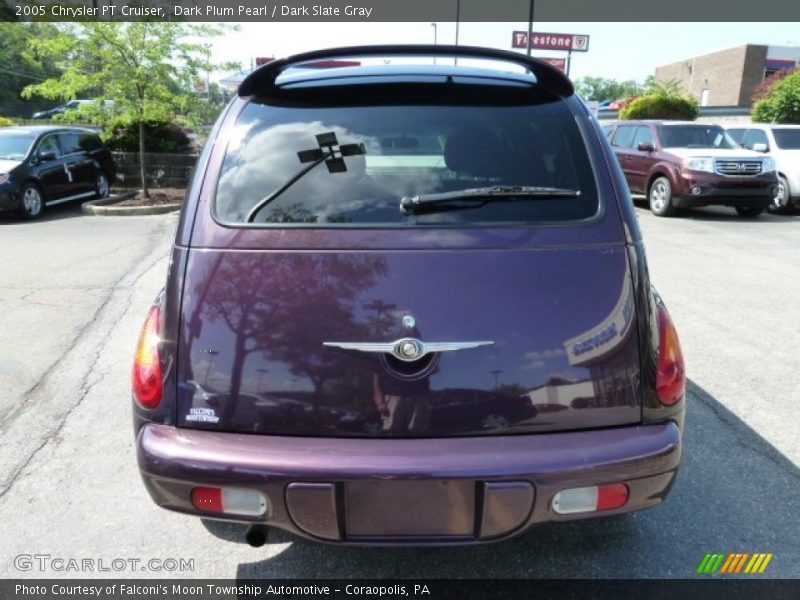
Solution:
(381, 308)
(208, 73)
(435, 36)
(496, 373)
(213, 354)
(458, 18)
(530, 26)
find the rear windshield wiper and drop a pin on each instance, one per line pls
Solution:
(330, 152)
(411, 204)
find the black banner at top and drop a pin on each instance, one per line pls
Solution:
(400, 10)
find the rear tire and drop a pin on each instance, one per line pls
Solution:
(31, 203)
(749, 212)
(659, 197)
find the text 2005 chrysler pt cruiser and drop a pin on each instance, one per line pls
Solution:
(407, 304)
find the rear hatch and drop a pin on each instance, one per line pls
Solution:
(335, 313)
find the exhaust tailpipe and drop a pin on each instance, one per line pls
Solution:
(257, 535)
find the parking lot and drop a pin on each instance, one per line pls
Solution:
(74, 290)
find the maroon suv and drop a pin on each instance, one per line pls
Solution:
(407, 304)
(686, 164)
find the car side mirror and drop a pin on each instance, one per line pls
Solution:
(760, 147)
(645, 147)
(47, 155)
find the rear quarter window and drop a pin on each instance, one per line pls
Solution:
(787, 139)
(409, 149)
(90, 142)
(70, 143)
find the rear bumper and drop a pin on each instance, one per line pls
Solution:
(458, 491)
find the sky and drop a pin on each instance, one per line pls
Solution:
(616, 50)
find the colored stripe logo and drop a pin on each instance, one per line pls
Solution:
(733, 563)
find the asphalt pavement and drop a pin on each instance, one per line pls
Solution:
(69, 485)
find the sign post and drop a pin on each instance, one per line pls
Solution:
(530, 25)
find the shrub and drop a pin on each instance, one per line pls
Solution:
(159, 136)
(763, 88)
(781, 104)
(661, 106)
(4, 122)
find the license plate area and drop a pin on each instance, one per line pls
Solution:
(424, 508)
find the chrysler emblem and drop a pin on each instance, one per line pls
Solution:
(407, 349)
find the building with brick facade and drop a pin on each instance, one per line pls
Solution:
(728, 77)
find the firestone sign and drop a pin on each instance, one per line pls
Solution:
(551, 41)
(558, 63)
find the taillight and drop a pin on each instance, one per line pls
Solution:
(148, 386)
(670, 373)
(208, 499)
(230, 501)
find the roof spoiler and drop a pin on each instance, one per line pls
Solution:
(262, 80)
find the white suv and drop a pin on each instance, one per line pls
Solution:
(783, 144)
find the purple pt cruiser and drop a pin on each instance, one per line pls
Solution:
(408, 303)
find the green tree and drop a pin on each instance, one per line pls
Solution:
(147, 68)
(664, 89)
(18, 66)
(7, 13)
(781, 103)
(600, 88)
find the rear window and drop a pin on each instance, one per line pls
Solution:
(394, 151)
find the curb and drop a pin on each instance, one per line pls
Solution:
(101, 208)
